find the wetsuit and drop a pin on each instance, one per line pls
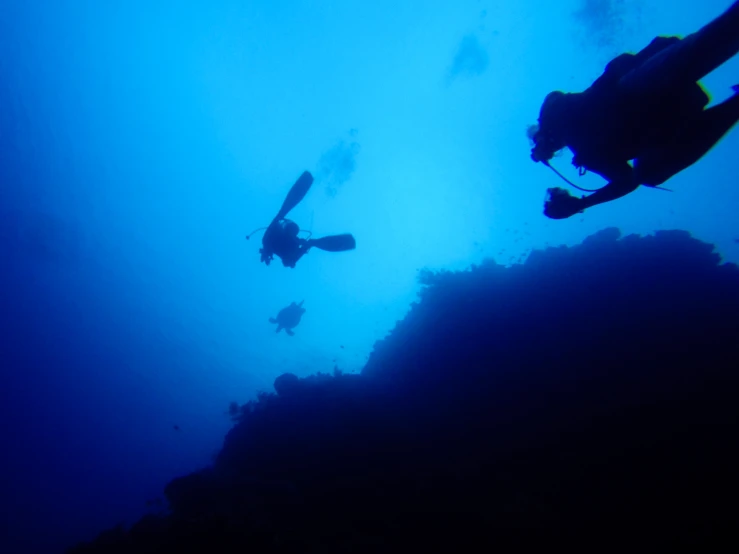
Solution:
(281, 239)
(649, 108)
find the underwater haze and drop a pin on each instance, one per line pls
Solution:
(141, 141)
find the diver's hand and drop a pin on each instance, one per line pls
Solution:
(266, 257)
(561, 204)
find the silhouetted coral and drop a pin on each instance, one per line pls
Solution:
(585, 399)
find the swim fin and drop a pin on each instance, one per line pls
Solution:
(296, 194)
(335, 243)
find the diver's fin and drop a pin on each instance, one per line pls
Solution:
(334, 243)
(296, 194)
(272, 320)
(289, 332)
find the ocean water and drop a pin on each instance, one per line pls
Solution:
(141, 141)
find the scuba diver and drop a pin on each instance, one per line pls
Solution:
(281, 237)
(647, 108)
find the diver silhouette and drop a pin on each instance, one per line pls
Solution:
(281, 236)
(647, 108)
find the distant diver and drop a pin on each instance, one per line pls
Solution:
(288, 318)
(281, 237)
(646, 107)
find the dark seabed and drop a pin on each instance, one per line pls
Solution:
(584, 400)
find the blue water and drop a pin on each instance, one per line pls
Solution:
(141, 141)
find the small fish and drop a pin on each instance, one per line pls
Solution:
(176, 427)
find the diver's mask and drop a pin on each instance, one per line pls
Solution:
(545, 146)
(542, 152)
(553, 115)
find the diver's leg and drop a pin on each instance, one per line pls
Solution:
(689, 60)
(713, 45)
(689, 146)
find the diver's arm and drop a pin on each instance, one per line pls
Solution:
(621, 181)
(612, 191)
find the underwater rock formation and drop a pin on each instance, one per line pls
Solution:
(586, 398)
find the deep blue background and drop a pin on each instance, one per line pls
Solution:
(139, 143)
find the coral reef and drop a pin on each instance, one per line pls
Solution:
(584, 399)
